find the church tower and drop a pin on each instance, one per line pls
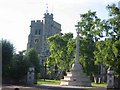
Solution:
(39, 32)
(34, 38)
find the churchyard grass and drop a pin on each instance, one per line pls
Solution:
(46, 81)
(100, 84)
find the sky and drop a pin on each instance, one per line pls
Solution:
(16, 16)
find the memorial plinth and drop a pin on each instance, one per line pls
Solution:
(76, 76)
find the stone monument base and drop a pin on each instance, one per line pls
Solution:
(76, 77)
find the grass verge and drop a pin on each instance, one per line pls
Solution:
(57, 82)
(100, 84)
(42, 81)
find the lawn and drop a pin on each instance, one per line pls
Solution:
(42, 81)
(101, 84)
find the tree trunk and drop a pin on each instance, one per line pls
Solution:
(97, 79)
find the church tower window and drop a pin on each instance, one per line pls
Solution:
(36, 32)
(39, 32)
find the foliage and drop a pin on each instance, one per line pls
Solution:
(93, 51)
(31, 57)
(19, 67)
(20, 64)
(15, 66)
(91, 26)
(108, 51)
(87, 57)
(61, 51)
(7, 53)
(114, 22)
(90, 29)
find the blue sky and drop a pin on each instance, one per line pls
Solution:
(16, 16)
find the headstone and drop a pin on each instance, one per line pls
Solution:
(76, 77)
(30, 76)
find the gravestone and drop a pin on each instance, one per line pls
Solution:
(30, 76)
(76, 77)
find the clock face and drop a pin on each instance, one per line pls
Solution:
(36, 40)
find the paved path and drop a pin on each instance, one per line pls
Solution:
(51, 87)
(59, 87)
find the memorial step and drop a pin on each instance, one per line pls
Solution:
(74, 83)
(69, 74)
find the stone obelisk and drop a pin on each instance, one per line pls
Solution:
(76, 77)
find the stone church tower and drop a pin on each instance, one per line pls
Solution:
(40, 30)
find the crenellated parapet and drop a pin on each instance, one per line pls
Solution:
(37, 22)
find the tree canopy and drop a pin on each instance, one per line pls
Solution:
(15, 66)
(99, 43)
(91, 30)
(108, 51)
(61, 51)
(32, 58)
(7, 53)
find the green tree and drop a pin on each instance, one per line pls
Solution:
(87, 48)
(108, 51)
(7, 53)
(19, 67)
(113, 22)
(62, 49)
(91, 30)
(31, 57)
